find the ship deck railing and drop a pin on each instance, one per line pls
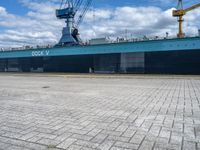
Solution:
(118, 40)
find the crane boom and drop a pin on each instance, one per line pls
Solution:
(192, 7)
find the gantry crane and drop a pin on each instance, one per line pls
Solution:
(180, 12)
(68, 11)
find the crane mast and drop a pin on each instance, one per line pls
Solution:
(180, 12)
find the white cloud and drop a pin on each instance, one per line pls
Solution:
(2, 11)
(40, 26)
(139, 21)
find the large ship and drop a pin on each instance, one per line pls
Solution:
(163, 56)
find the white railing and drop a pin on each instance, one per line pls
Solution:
(117, 40)
(25, 48)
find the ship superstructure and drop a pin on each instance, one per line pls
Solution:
(163, 56)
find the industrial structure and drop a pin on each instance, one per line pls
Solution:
(161, 56)
(68, 10)
(180, 12)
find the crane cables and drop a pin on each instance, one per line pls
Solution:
(78, 3)
(180, 4)
(85, 9)
(71, 3)
(61, 4)
(66, 3)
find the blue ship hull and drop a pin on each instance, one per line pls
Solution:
(169, 56)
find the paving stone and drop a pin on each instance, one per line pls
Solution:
(176, 138)
(82, 137)
(48, 142)
(87, 148)
(65, 144)
(94, 132)
(118, 138)
(150, 138)
(63, 137)
(122, 128)
(161, 140)
(129, 133)
(126, 145)
(160, 146)
(198, 146)
(75, 147)
(137, 138)
(164, 133)
(34, 146)
(146, 145)
(4, 146)
(48, 136)
(16, 148)
(34, 139)
(87, 144)
(12, 135)
(99, 138)
(106, 145)
(28, 136)
(119, 148)
(189, 145)
(155, 130)
(110, 132)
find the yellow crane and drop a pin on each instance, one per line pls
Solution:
(180, 12)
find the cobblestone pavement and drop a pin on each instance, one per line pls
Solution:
(38, 112)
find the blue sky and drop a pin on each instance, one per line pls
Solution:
(34, 21)
(14, 6)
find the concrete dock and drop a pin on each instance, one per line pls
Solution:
(99, 112)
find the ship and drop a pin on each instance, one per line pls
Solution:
(178, 55)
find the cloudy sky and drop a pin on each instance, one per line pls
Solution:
(33, 22)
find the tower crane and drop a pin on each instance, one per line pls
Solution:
(180, 12)
(68, 10)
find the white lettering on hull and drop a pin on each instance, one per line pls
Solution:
(40, 53)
